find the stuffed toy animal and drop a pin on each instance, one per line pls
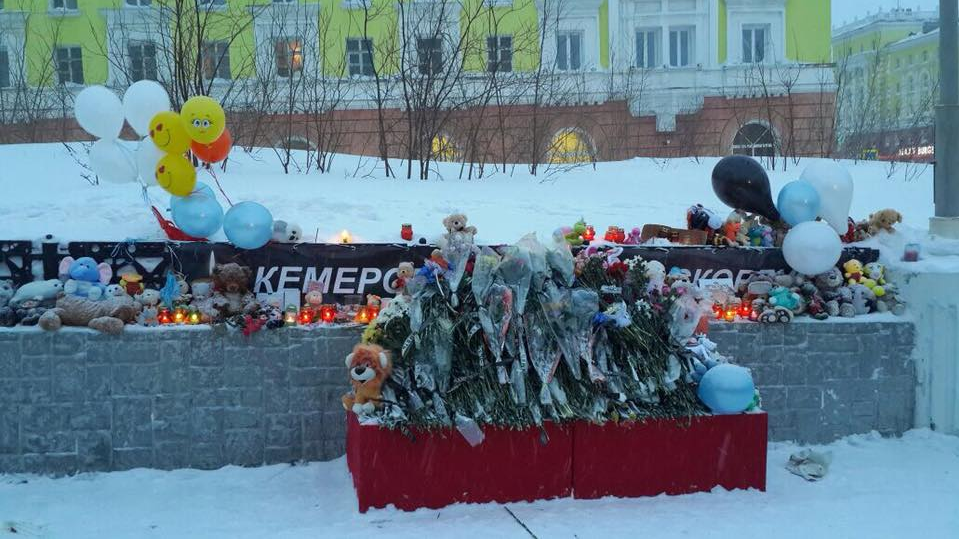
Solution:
(6, 292)
(572, 235)
(40, 291)
(372, 300)
(86, 278)
(699, 217)
(314, 294)
(284, 232)
(106, 316)
(761, 236)
(132, 282)
(148, 297)
(883, 220)
(456, 222)
(231, 285)
(148, 317)
(28, 312)
(853, 271)
(876, 273)
(404, 273)
(202, 300)
(783, 297)
(656, 274)
(369, 368)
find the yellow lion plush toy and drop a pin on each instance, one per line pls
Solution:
(369, 368)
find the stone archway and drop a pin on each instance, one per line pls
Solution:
(755, 139)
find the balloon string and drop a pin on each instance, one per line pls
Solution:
(220, 187)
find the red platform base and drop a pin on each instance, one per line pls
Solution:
(581, 459)
(439, 468)
(664, 456)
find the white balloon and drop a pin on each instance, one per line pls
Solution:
(147, 156)
(99, 112)
(834, 184)
(141, 102)
(812, 247)
(111, 162)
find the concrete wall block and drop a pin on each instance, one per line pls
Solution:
(9, 430)
(243, 447)
(172, 455)
(132, 380)
(241, 418)
(67, 382)
(91, 415)
(206, 456)
(283, 430)
(10, 355)
(132, 422)
(207, 424)
(172, 419)
(33, 366)
(94, 450)
(55, 464)
(128, 458)
(804, 398)
(98, 382)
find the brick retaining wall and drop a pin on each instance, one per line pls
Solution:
(80, 401)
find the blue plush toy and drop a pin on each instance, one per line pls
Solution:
(85, 278)
(781, 296)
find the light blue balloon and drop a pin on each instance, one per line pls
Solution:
(248, 225)
(727, 389)
(198, 214)
(798, 202)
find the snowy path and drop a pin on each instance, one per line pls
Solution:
(877, 488)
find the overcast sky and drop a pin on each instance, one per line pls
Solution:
(847, 10)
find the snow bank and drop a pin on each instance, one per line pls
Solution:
(876, 487)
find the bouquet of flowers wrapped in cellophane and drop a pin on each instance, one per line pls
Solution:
(528, 333)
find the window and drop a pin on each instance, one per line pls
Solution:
(289, 57)
(755, 140)
(499, 54)
(646, 48)
(138, 3)
(569, 51)
(216, 60)
(442, 149)
(64, 5)
(755, 43)
(429, 52)
(212, 3)
(69, 62)
(680, 47)
(143, 61)
(359, 56)
(4, 66)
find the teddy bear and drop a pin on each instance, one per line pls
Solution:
(85, 278)
(284, 232)
(783, 297)
(148, 297)
(231, 289)
(28, 312)
(314, 294)
(202, 300)
(404, 272)
(456, 222)
(883, 220)
(369, 368)
(107, 316)
(148, 317)
(876, 273)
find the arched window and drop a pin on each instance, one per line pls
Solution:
(443, 149)
(570, 146)
(755, 139)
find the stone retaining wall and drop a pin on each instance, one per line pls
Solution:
(176, 398)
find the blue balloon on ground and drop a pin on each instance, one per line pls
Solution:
(798, 202)
(248, 225)
(199, 214)
(727, 389)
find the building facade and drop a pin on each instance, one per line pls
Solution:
(888, 74)
(481, 80)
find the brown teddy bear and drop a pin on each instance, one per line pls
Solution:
(369, 368)
(108, 315)
(404, 272)
(456, 222)
(883, 220)
(231, 285)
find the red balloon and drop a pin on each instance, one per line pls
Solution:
(214, 152)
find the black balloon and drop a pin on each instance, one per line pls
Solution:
(742, 184)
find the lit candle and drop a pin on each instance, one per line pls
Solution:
(164, 316)
(327, 314)
(590, 233)
(179, 315)
(730, 315)
(406, 232)
(362, 316)
(306, 316)
(194, 317)
(289, 317)
(345, 237)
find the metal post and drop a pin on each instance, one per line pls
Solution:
(946, 221)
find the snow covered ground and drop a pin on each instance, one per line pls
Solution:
(876, 488)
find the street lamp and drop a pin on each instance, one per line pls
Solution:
(946, 221)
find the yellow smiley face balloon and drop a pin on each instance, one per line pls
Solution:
(176, 174)
(168, 133)
(204, 119)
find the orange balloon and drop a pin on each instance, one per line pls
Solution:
(215, 151)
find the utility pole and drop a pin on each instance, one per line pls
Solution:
(946, 221)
